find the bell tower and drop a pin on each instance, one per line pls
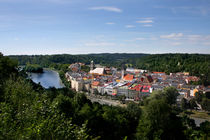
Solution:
(91, 65)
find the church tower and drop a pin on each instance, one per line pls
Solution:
(91, 65)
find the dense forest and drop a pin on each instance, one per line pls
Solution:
(27, 111)
(103, 59)
(33, 68)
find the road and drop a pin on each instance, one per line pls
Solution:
(198, 121)
(105, 101)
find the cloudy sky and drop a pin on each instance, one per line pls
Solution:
(99, 26)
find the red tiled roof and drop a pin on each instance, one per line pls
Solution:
(128, 77)
(158, 72)
(137, 88)
(146, 88)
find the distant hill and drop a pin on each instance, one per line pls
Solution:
(173, 62)
(111, 59)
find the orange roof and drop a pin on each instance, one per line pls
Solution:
(95, 83)
(157, 72)
(128, 77)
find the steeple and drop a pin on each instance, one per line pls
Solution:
(91, 65)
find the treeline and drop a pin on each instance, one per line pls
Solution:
(33, 68)
(103, 59)
(193, 63)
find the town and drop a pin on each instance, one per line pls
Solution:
(130, 83)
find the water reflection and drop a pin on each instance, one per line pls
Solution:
(47, 79)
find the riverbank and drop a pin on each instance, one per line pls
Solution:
(33, 68)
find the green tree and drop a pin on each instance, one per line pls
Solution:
(159, 122)
(171, 94)
(205, 130)
(199, 96)
(184, 104)
(192, 104)
(134, 110)
(205, 104)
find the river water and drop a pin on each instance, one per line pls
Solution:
(47, 79)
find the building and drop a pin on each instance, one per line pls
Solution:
(76, 67)
(128, 77)
(98, 71)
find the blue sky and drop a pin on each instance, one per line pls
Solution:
(101, 26)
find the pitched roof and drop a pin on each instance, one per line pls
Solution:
(146, 88)
(128, 77)
(158, 72)
(99, 71)
(137, 87)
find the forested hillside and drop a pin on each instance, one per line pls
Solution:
(104, 59)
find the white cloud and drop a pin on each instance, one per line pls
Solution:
(172, 36)
(130, 26)
(107, 8)
(110, 23)
(145, 21)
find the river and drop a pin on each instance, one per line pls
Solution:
(47, 79)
